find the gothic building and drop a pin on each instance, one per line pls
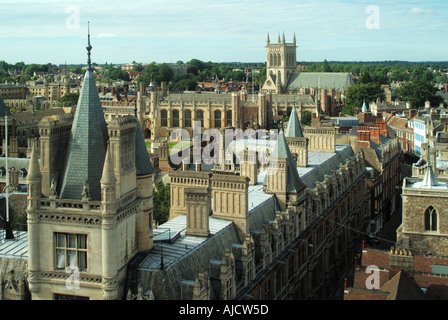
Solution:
(89, 202)
(271, 230)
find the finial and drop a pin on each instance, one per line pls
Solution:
(89, 47)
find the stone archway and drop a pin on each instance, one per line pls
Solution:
(147, 133)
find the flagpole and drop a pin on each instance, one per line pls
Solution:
(9, 233)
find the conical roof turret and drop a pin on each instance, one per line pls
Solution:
(294, 129)
(282, 151)
(87, 145)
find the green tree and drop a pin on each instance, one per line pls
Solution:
(359, 93)
(157, 73)
(161, 202)
(418, 92)
(366, 78)
(306, 118)
(69, 99)
(326, 67)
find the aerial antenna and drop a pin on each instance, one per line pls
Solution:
(89, 47)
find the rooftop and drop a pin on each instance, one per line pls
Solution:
(15, 248)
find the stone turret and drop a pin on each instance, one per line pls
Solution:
(34, 180)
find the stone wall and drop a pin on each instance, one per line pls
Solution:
(13, 275)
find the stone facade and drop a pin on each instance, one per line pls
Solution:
(421, 206)
(81, 241)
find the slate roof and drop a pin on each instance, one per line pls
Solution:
(281, 151)
(321, 80)
(87, 145)
(142, 162)
(294, 129)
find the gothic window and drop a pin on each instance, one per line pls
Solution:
(163, 118)
(175, 121)
(229, 118)
(200, 117)
(217, 119)
(71, 251)
(187, 120)
(430, 219)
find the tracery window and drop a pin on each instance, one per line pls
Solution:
(163, 118)
(187, 118)
(217, 119)
(200, 117)
(229, 118)
(175, 120)
(430, 219)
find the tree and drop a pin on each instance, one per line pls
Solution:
(306, 118)
(157, 73)
(161, 202)
(69, 99)
(418, 92)
(366, 78)
(326, 67)
(359, 93)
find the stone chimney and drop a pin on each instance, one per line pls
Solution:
(198, 203)
(249, 166)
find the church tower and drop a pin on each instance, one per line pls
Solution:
(281, 63)
(87, 223)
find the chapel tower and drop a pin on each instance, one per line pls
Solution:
(281, 63)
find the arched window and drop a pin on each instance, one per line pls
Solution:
(229, 118)
(217, 119)
(200, 117)
(175, 120)
(187, 121)
(163, 118)
(430, 219)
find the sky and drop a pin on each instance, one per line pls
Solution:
(37, 31)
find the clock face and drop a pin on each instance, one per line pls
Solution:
(268, 83)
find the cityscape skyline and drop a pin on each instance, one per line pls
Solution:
(160, 31)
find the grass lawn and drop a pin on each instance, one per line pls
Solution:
(172, 145)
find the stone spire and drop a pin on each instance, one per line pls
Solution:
(430, 179)
(87, 145)
(268, 40)
(294, 129)
(108, 176)
(33, 168)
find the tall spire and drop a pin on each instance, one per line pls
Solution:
(87, 144)
(89, 47)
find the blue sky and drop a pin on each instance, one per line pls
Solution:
(167, 31)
